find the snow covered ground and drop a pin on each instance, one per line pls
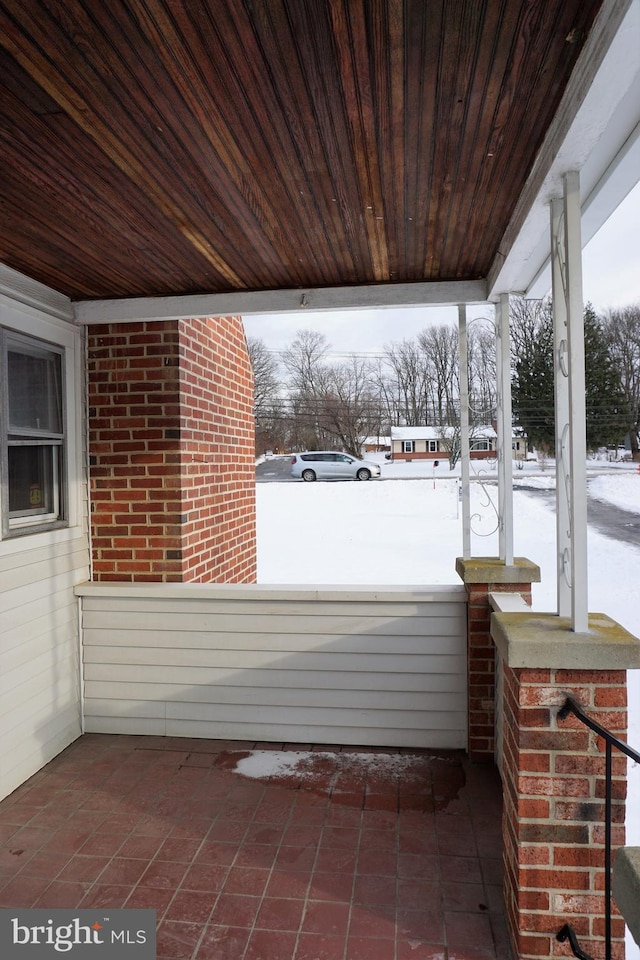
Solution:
(409, 532)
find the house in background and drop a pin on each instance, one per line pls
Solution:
(376, 445)
(433, 443)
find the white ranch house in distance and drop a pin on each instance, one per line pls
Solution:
(431, 443)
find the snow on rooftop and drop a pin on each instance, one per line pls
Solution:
(434, 433)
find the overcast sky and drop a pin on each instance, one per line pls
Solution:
(611, 278)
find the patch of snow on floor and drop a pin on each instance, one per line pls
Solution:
(307, 764)
(262, 764)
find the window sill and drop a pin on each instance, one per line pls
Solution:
(33, 538)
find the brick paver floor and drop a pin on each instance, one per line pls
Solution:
(266, 851)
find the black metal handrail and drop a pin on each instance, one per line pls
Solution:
(567, 932)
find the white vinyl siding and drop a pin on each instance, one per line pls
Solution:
(279, 664)
(40, 679)
(40, 710)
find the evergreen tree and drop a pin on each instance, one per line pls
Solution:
(606, 420)
(532, 382)
(532, 386)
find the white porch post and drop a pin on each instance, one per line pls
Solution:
(464, 431)
(505, 432)
(561, 397)
(577, 476)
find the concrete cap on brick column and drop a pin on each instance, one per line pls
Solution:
(626, 887)
(547, 640)
(494, 570)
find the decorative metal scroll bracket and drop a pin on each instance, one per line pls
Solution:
(561, 254)
(566, 566)
(488, 503)
(563, 468)
(563, 358)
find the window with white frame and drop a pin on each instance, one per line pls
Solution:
(433, 446)
(407, 446)
(480, 445)
(33, 434)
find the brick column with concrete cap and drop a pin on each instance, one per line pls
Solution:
(553, 774)
(483, 576)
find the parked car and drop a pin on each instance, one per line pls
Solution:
(331, 465)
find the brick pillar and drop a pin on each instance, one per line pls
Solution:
(553, 775)
(172, 452)
(553, 822)
(482, 576)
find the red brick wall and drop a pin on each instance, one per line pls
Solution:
(171, 448)
(481, 666)
(553, 825)
(218, 452)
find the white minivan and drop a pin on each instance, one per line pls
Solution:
(331, 465)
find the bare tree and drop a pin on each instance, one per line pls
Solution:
(407, 383)
(306, 363)
(330, 404)
(266, 382)
(622, 329)
(416, 383)
(386, 397)
(420, 382)
(526, 317)
(482, 372)
(350, 410)
(266, 393)
(439, 346)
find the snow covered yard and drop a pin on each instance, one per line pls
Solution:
(409, 532)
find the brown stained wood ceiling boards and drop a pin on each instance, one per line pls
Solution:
(156, 147)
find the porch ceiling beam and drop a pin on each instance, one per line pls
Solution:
(312, 300)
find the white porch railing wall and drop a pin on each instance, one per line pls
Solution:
(349, 665)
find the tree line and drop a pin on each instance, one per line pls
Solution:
(305, 398)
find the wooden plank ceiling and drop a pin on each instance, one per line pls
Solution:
(155, 147)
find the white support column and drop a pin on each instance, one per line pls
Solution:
(577, 403)
(505, 432)
(561, 395)
(464, 431)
